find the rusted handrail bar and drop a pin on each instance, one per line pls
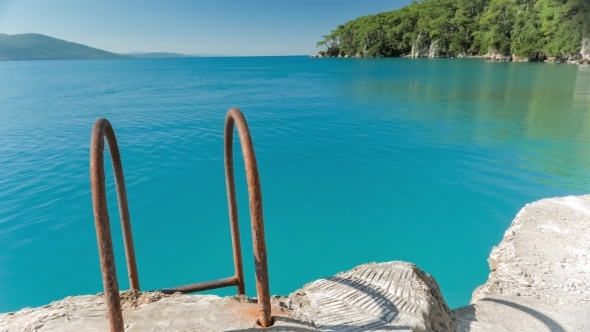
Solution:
(234, 115)
(102, 129)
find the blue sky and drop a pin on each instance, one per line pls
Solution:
(231, 27)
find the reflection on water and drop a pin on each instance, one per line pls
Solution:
(515, 106)
(582, 87)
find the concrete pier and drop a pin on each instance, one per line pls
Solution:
(539, 281)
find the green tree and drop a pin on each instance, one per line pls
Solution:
(526, 36)
(522, 27)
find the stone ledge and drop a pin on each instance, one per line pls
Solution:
(385, 296)
(540, 279)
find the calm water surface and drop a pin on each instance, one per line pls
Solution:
(366, 160)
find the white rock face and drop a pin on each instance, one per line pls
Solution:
(540, 279)
(421, 47)
(585, 52)
(434, 49)
(492, 55)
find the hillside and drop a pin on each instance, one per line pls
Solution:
(33, 46)
(158, 55)
(503, 29)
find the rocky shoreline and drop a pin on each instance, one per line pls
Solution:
(433, 50)
(539, 281)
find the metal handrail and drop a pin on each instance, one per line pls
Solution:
(234, 115)
(102, 129)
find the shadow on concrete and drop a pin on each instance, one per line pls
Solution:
(550, 323)
(464, 316)
(303, 326)
(376, 295)
(468, 315)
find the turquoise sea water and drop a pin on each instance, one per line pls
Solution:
(426, 161)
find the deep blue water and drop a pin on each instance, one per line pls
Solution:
(426, 161)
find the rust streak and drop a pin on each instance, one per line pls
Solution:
(102, 128)
(235, 116)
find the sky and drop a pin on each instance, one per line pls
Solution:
(228, 27)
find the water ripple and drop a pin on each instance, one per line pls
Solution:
(359, 160)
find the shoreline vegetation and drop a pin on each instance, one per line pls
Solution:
(554, 31)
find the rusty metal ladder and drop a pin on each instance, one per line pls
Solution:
(102, 128)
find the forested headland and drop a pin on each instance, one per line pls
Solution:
(553, 30)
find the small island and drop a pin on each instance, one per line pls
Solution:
(498, 30)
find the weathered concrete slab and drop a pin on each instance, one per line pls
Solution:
(524, 314)
(374, 297)
(151, 312)
(540, 279)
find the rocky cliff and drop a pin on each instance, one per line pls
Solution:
(420, 47)
(423, 47)
(585, 51)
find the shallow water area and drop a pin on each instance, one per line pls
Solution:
(361, 160)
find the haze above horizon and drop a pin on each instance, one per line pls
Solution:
(232, 27)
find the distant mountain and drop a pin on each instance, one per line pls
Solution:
(32, 46)
(157, 55)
